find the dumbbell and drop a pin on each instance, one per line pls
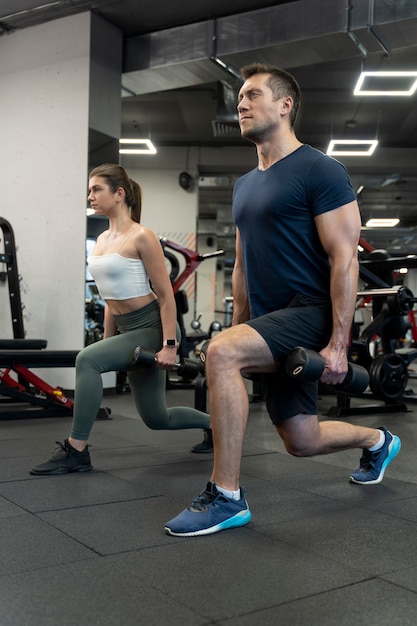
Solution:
(307, 364)
(203, 356)
(146, 358)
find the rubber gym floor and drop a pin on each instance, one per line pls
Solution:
(90, 548)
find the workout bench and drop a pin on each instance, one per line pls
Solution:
(30, 395)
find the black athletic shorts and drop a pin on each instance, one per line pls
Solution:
(306, 322)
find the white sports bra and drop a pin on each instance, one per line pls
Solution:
(119, 278)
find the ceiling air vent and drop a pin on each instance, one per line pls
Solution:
(226, 123)
(225, 129)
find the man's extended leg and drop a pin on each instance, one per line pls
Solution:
(217, 507)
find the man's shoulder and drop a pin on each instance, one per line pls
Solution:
(245, 178)
(309, 154)
(316, 155)
(247, 175)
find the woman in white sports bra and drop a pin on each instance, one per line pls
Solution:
(127, 258)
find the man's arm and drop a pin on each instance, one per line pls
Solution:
(240, 296)
(339, 232)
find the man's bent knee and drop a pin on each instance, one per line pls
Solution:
(299, 441)
(222, 348)
(297, 450)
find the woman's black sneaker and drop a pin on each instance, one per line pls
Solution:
(64, 459)
(207, 444)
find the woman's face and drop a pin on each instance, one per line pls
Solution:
(100, 196)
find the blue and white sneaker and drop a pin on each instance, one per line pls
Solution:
(372, 465)
(209, 513)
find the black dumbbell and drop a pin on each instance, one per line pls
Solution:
(309, 365)
(146, 358)
(203, 356)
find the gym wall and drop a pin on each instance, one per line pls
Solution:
(44, 105)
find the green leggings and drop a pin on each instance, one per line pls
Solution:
(148, 385)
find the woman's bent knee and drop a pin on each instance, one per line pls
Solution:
(84, 362)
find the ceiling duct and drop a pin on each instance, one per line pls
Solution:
(226, 122)
(180, 56)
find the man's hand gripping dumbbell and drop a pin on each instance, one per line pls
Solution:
(309, 365)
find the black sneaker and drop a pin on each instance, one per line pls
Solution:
(207, 444)
(64, 459)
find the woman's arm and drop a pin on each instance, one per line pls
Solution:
(240, 296)
(110, 328)
(151, 253)
(339, 232)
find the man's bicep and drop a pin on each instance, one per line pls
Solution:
(339, 228)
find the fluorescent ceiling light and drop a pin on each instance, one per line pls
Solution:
(382, 223)
(148, 147)
(334, 149)
(386, 84)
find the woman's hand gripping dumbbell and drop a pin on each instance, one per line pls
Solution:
(188, 369)
(307, 364)
(148, 358)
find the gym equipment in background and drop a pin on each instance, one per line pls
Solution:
(23, 394)
(390, 307)
(189, 341)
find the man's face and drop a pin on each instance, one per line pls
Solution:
(259, 113)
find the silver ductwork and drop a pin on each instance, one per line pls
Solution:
(291, 35)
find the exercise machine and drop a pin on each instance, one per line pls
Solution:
(192, 260)
(23, 394)
(190, 341)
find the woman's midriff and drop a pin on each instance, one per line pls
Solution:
(120, 307)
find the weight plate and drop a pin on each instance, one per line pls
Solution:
(388, 377)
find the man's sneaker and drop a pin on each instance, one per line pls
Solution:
(373, 464)
(209, 513)
(207, 444)
(65, 459)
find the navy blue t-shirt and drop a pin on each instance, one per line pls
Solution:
(274, 211)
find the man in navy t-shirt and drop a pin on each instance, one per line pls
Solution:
(294, 283)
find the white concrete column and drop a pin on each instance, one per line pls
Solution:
(45, 76)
